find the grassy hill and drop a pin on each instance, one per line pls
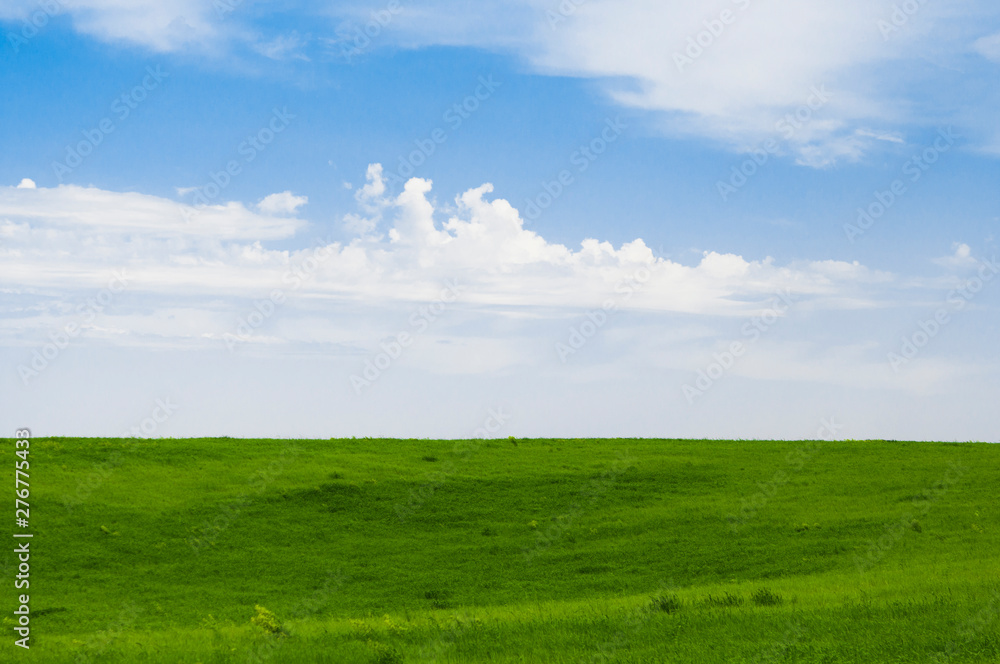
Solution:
(509, 551)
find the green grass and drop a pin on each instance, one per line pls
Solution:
(226, 550)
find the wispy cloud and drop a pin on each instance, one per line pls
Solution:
(727, 70)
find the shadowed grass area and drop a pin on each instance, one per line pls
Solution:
(225, 550)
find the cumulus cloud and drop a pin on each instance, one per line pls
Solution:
(371, 203)
(282, 203)
(196, 274)
(961, 258)
(57, 237)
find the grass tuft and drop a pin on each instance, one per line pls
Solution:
(384, 654)
(665, 603)
(727, 600)
(766, 597)
(439, 598)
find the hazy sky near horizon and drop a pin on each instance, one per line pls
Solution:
(433, 218)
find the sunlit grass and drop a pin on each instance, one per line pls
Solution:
(548, 550)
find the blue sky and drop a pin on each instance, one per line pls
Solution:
(570, 171)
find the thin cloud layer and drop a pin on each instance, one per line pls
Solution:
(160, 25)
(74, 208)
(742, 71)
(734, 71)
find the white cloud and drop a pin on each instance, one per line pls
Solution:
(988, 47)
(160, 25)
(70, 209)
(735, 86)
(284, 47)
(961, 258)
(889, 137)
(59, 236)
(282, 203)
(731, 80)
(371, 201)
(192, 282)
(27, 183)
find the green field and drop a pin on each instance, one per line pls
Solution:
(524, 550)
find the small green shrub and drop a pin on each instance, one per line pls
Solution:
(267, 621)
(361, 629)
(394, 627)
(385, 654)
(665, 603)
(428, 457)
(766, 597)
